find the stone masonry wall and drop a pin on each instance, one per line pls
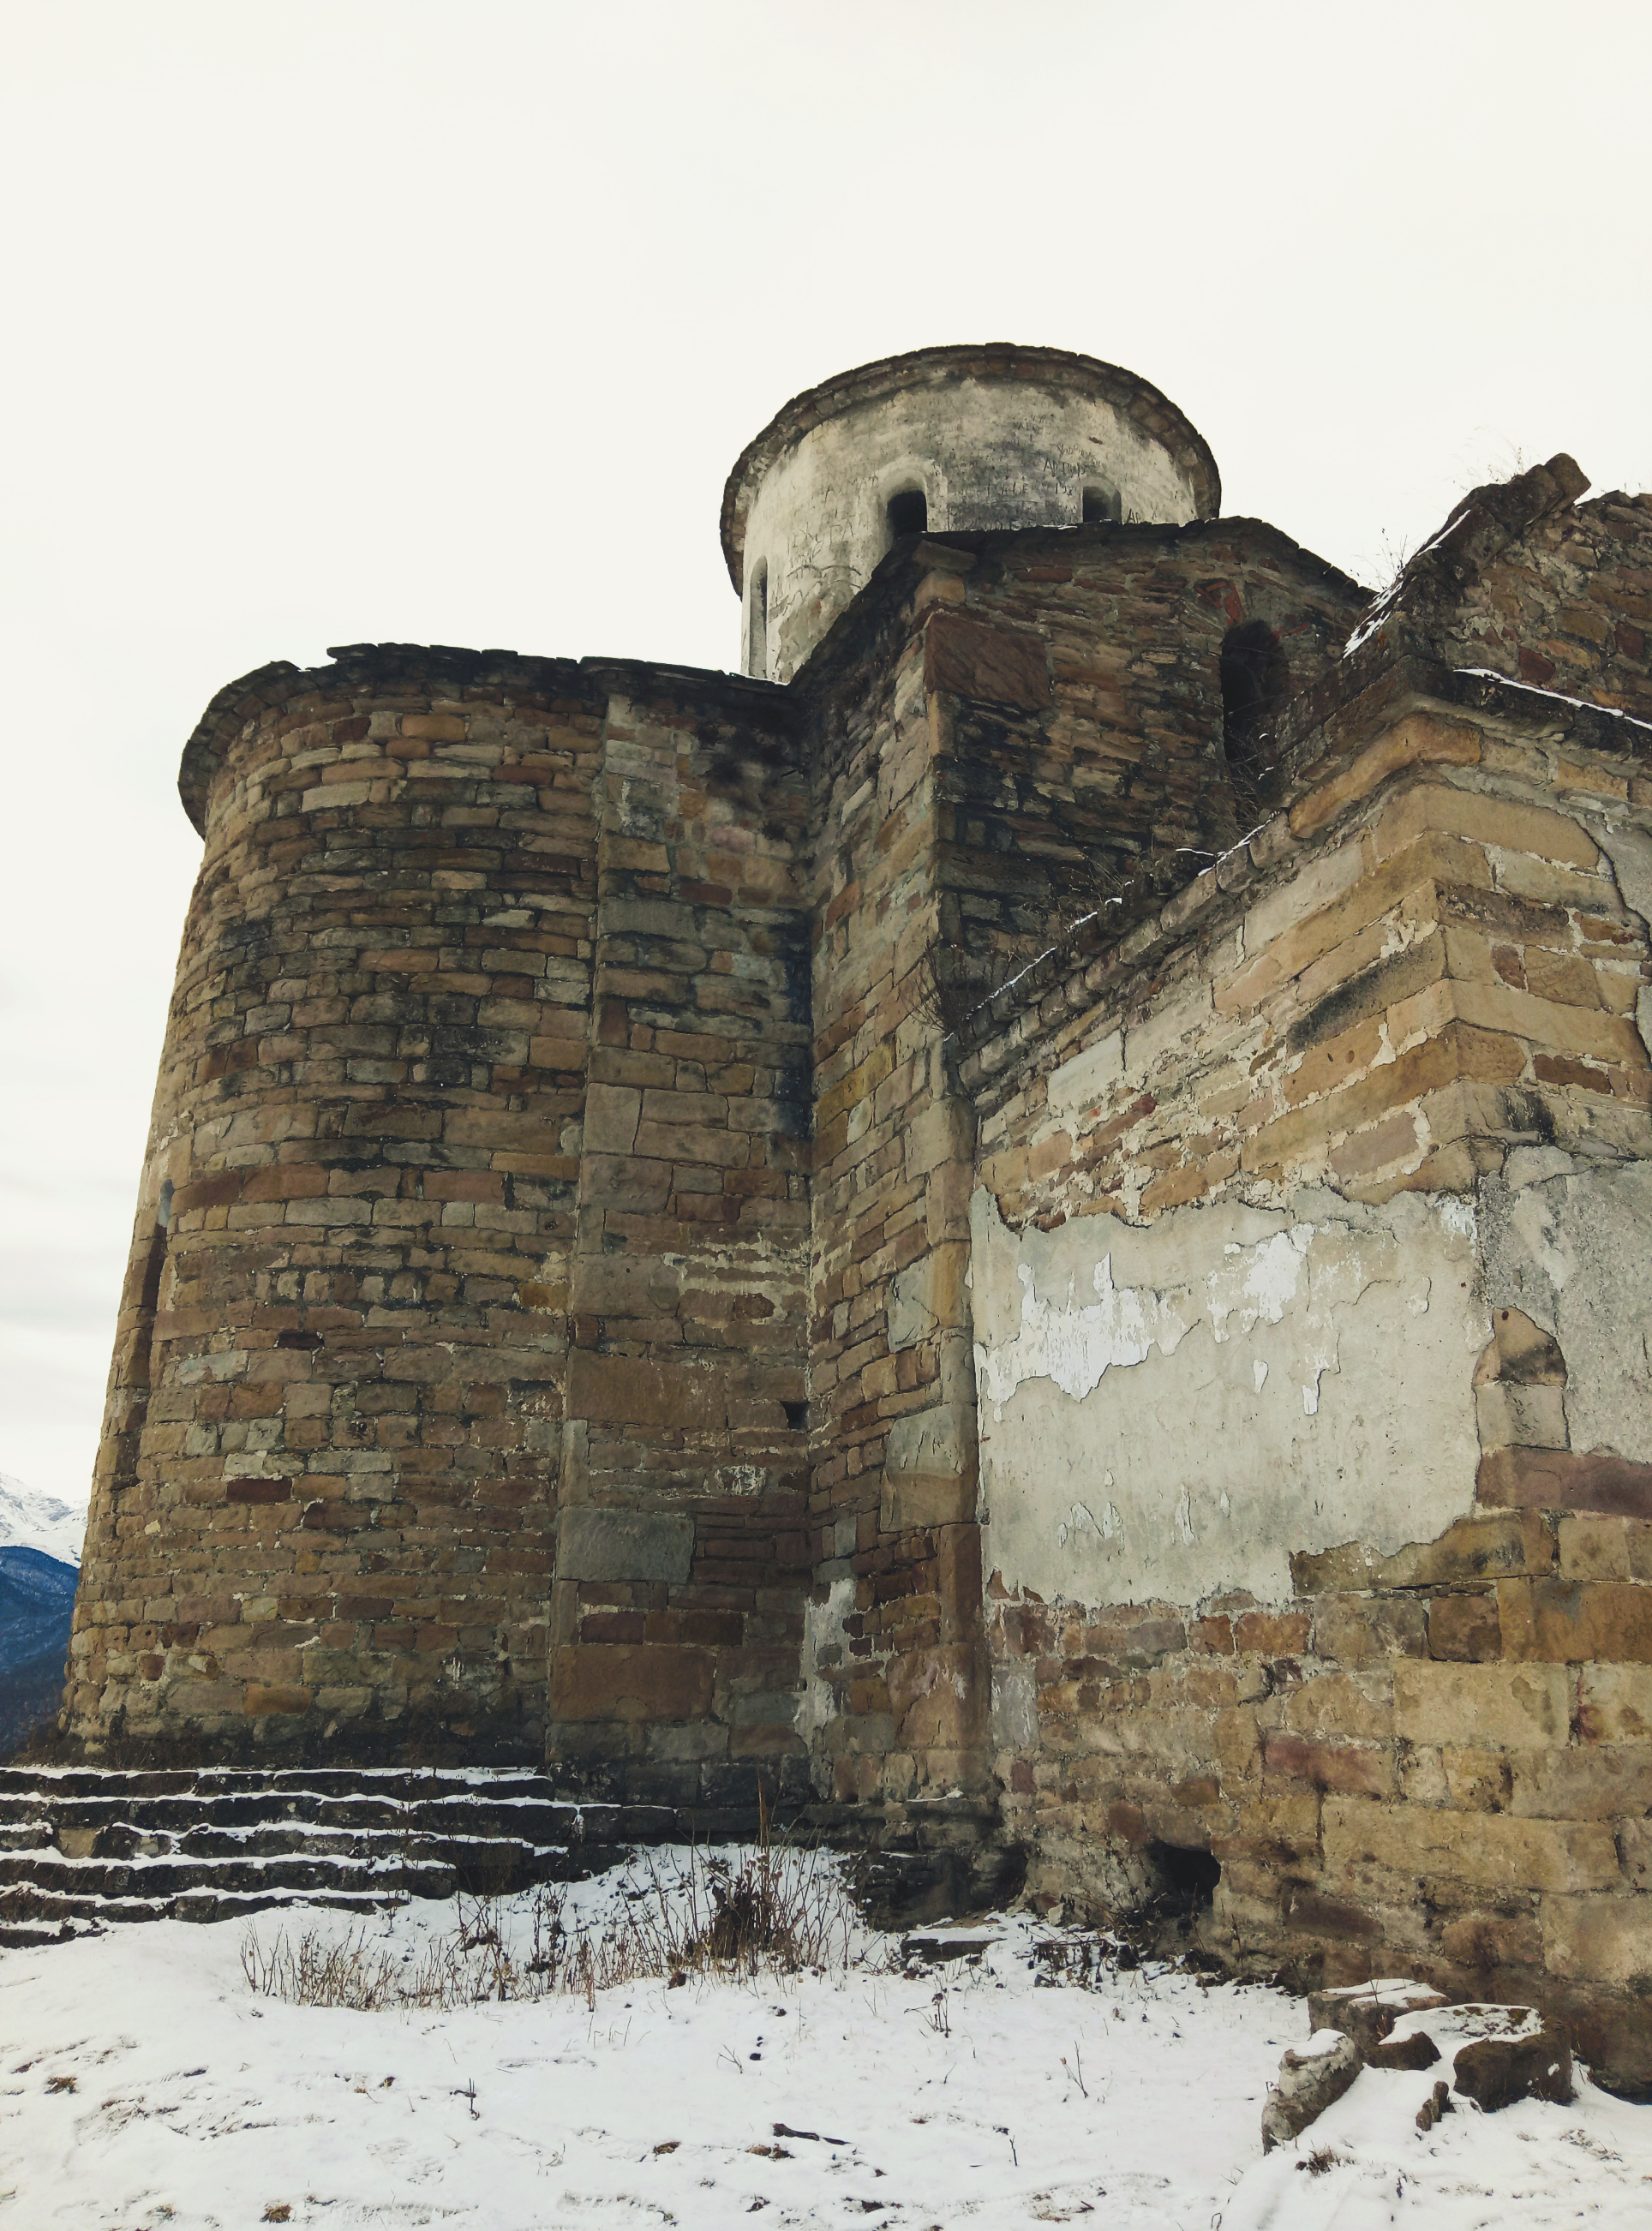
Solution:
(973, 767)
(681, 1550)
(1086, 767)
(894, 1701)
(322, 1516)
(1569, 608)
(362, 1493)
(1309, 1269)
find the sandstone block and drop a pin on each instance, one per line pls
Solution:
(1478, 1849)
(1525, 2058)
(1483, 820)
(1418, 739)
(597, 1543)
(1464, 1628)
(1634, 1849)
(1555, 1479)
(1361, 1771)
(1494, 1706)
(969, 658)
(1572, 1622)
(1594, 1549)
(929, 1469)
(1615, 1704)
(630, 1682)
(1533, 1416)
(1356, 1707)
(1585, 1781)
(263, 1698)
(634, 1390)
(611, 1113)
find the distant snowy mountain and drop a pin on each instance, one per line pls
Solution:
(39, 1550)
(29, 1520)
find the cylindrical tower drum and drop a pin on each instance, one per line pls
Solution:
(943, 440)
(322, 1512)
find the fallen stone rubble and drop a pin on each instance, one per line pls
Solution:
(1498, 2053)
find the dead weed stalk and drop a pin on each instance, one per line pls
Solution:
(772, 1910)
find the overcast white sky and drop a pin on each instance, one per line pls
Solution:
(330, 321)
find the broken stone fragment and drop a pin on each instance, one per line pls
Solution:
(1438, 2103)
(1368, 2012)
(1499, 2053)
(1523, 2058)
(1412, 2048)
(1308, 2083)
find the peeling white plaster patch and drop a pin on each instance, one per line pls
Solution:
(1260, 1282)
(1073, 1343)
(1080, 1082)
(1534, 1222)
(822, 1631)
(1079, 1520)
(1457, 1215)
(1156, 1390)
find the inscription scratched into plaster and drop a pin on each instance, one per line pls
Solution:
(1322, 1268)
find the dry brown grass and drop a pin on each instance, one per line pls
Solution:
(773, 1912)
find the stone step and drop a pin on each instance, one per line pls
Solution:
(544, 1821)
(394, 1784)
(131, 1843)
(166, 1878)
(56, 1916)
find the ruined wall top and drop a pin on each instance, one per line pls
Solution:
(945, 440)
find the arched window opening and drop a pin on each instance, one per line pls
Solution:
(757, 623)
(1101, 507)
(908, 513)
(1255, 687)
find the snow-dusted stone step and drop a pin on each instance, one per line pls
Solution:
(167, 1877)
(58, 1916)
(139, 1844)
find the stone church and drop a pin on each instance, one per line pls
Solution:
(1028, 1222)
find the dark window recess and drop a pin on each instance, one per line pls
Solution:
(757, 659)
(155, 1260)
(908, 513)
(797, 1417)
(1255, 687)
(1186, 1880)
(1102, 506)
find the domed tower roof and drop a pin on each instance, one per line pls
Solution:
(981, 435)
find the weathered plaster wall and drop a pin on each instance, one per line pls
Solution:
(1171, 1413)
(1371, 1101)
(987, 453)
(1569, 1244)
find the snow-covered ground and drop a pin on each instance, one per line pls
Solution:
(144, 2084)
